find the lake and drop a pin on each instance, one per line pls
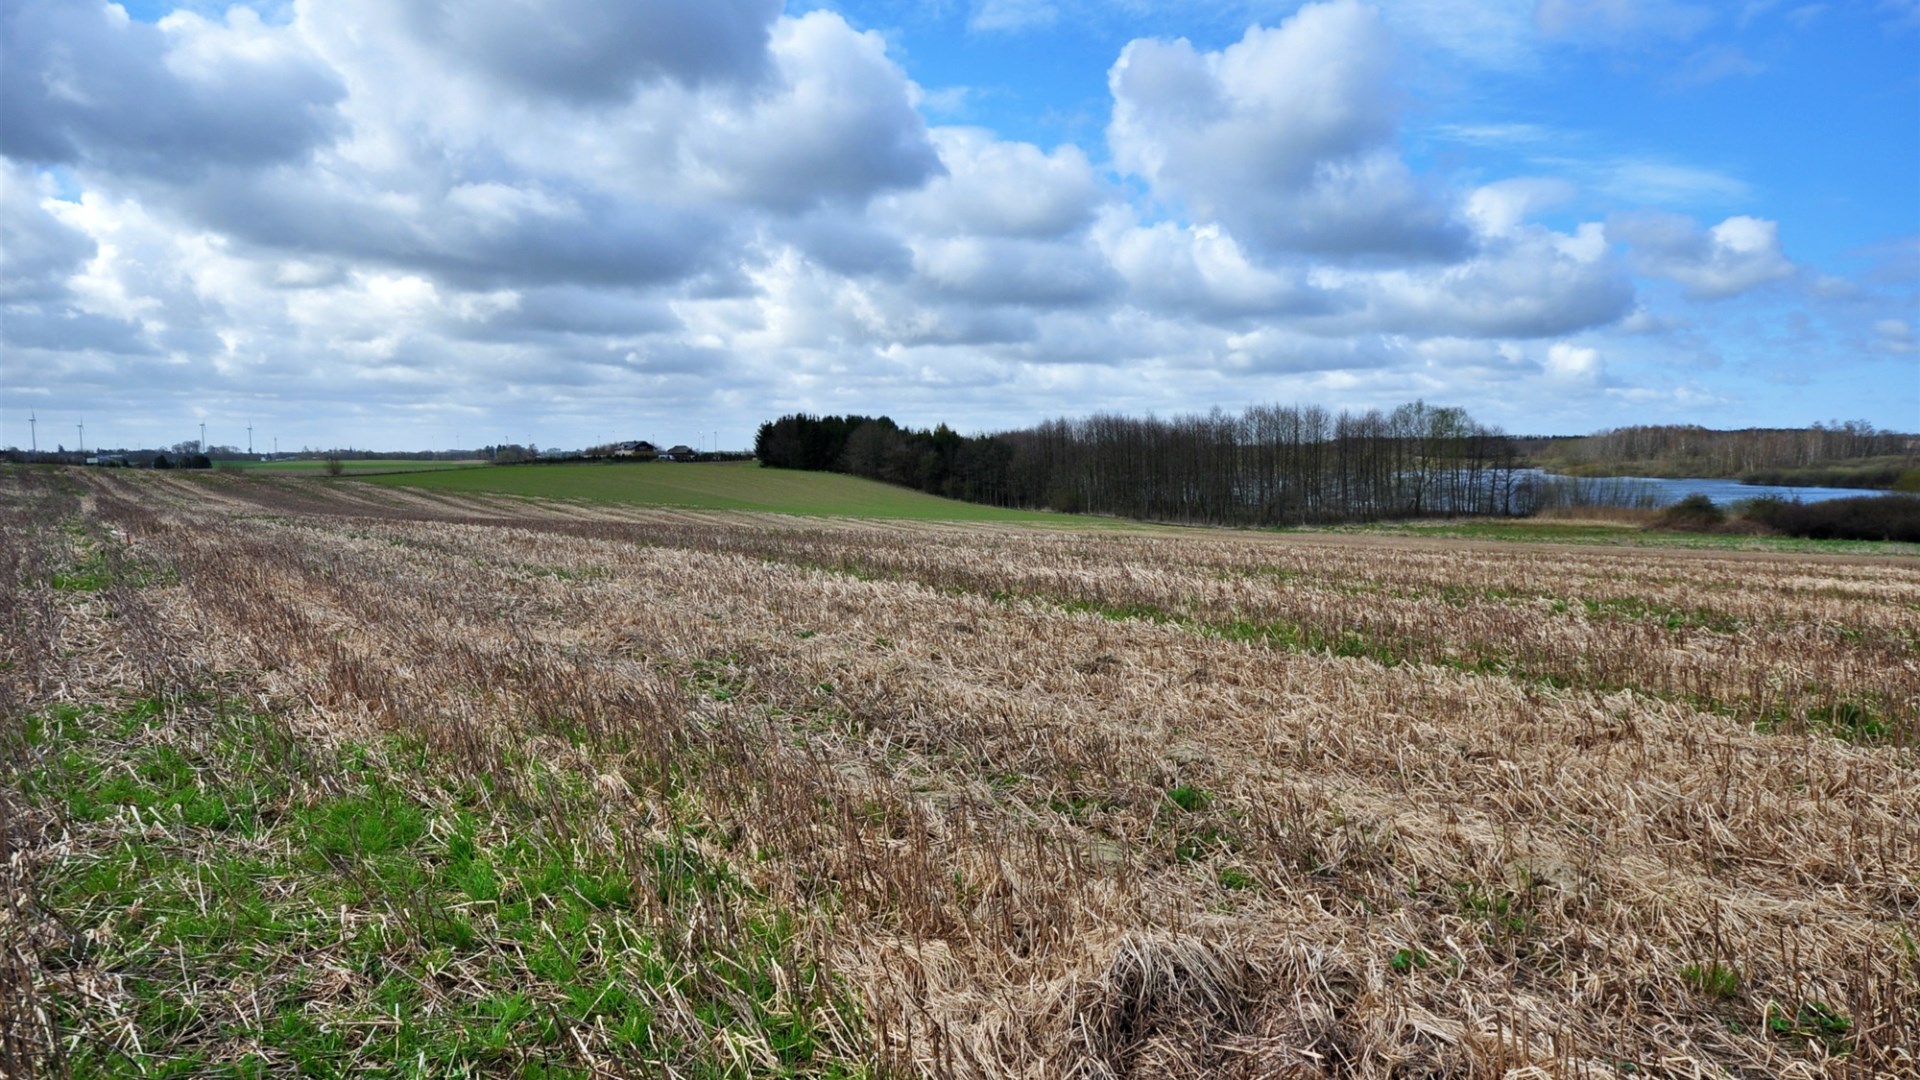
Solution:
(1666, 492)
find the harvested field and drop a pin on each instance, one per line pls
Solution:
(335, 778)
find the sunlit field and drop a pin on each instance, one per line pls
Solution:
(330, 778)
(733, 485)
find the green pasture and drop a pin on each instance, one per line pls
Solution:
(732, 485)
(744, 485)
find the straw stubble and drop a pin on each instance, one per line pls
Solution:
(1085, 805)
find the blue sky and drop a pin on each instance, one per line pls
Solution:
(359, 223)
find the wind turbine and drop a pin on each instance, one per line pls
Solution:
(33, 429)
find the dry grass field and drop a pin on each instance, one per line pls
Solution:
(340, 779)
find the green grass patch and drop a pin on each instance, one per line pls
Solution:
(1866, 720)
(733, 485)
(1189, 797)
(94, 567)
(1673, 618)
(1504, 911)
(1407, 961)
(1852, 721)
(90, 578)
(1232, 877)
(266, 912)
(1716, 979)
(90, 572)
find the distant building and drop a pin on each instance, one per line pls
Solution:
(635, 448)
(680, 453)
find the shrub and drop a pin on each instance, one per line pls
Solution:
(1868, 517)
(1695, 513)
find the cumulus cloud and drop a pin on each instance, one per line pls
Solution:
(845, 242)
(82, 83)
(38, 252)
(1284, 136)
(842, 127)
(1000, 270)
(591, 51)
(1502, 208)
(1574, 363)
(478, 232)
(576, 312)
(1202, 271)
(1531, 283)
(380, 210)
(647, 189)
(70, 331)
(1738, 255)
(993, 187)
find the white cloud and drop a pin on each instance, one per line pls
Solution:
(1014, 271)
(590, 51)
(1500, 208)
(1896, 336)
(1284, 136)
(996, 188)
(1738, 255)
(1532, 283)
(391, 219)
(84, 84)
(38, 252)
(1574, 363)
(1202, 272)
(842, 129)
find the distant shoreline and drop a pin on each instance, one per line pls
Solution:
(1871, 478)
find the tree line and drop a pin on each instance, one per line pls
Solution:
(1269, 465)
(1690, 450)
